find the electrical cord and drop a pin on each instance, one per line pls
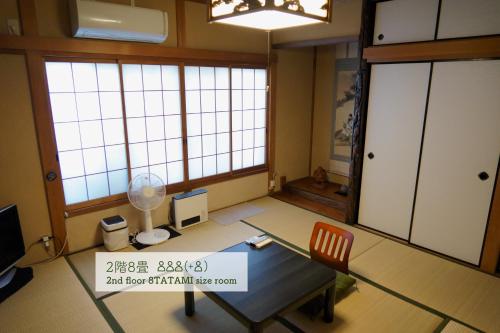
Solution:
(54, 257)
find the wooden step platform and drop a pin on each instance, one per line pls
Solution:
(304, 194)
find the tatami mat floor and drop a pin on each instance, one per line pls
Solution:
(399, 288)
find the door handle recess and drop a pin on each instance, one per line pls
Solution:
(370, 155)
(483, 175)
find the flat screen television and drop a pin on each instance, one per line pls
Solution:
(11, 238)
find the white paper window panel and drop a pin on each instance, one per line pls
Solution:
(111, 105)
(193, 102)
(237, 140)
(195, 168)
(173, 127)
(156, 152)
(209, 166)
(155, 128)
(171, 102)
(175, 172)
(260, 118)
(84, 77)
(193, 124)
(59, 76)
(116, 157)
(248, 119)
(67, 136)
(63, 107)
(153, 103)
(237, 160)
(97, 186)
(207, 78)
(132, 77)
(260, 99)
(222, 100)
(237, 120)
(222, 78)
(109, 77)
(71, 164)
(236, 78)
(208, 101)
(222, 121)
(248, 99)
(118, 181)
(88, 107)
(170, 77)
(151, 76)
(94, 160)
(113, 131)
(194, 147)
(174, 150)
(222, 143)
(208, 124)
(248, 78)
(192, 78)
(91, 134)
(75, 190)
(237, 99)
(138, 155)
(260, 137)
(259, 156)
(136, 130)
(248, 139)
(134, 104)
(260, 79)
(223, 163)
(137, 171)
(160, 170)
(247, 158)
(209, 143)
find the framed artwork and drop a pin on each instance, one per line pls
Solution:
(344, 92)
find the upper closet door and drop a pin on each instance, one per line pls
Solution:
(466, 18)
(401, 21)
(396, 110)
(459, 158)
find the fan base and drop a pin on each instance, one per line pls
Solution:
(155, 236)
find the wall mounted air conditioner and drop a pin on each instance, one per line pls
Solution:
(190, 208)
(94, 19)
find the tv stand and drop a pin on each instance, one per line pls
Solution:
(13, 280)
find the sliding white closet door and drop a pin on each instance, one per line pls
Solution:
(461, 149)
(396, 109)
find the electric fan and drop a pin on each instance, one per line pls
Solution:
(146, 192)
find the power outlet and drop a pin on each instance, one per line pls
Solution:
(13, 27)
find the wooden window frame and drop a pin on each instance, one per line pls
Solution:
(186, 185)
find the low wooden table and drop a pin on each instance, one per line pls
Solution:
(279, 280)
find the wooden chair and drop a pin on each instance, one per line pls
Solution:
(331, 246)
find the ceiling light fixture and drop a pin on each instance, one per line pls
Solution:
(269, 14)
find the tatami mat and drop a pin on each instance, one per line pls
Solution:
(205, 237)
(460, 292)
(295, 225)
(454, 327)
(54, 301)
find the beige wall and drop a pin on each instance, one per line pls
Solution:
(293, 112)
(346, 21)
(8, 10)
(21, 175)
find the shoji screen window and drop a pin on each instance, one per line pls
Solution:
(207, 117)
(86, 110)
(249, 87)
(154, 127)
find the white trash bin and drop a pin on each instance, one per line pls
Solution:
(114, 232)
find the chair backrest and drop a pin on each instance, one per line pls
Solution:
(331, 246)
